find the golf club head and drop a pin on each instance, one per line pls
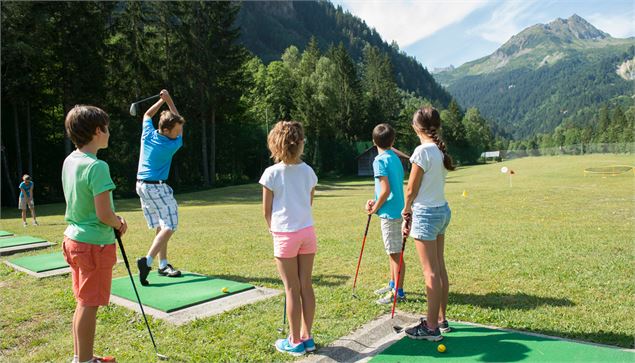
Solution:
(281, 330)
(397, 329)
(133, 109)
(162, 357)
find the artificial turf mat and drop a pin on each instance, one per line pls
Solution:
(41, 263)
(469, 343)
(18, 241)
(5, 233)
(169, 294)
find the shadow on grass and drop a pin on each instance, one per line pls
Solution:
(496, 300)
(503, 301)
(318, 280)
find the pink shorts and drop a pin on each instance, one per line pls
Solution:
(291, 244)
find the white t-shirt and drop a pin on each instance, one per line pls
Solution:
(291, 185)
(430, 159)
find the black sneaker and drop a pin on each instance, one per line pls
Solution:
(169, 271)
(422, 331)
(444, 327)
(144, 270)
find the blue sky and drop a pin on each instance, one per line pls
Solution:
(440, 33)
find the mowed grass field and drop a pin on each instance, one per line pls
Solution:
(553, 254)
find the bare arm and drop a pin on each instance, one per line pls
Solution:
(31, 193)
(153, 110)
(414, 182)
(267, 205)
(383, 195)
(312, 195)
(105, 213)
(165, 95)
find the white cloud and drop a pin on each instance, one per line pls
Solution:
(619, 26)
(508, 19)
(406, 22)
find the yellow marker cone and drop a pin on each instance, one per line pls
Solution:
(465, 194)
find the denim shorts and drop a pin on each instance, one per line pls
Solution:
(429, 222)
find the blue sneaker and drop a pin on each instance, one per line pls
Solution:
(309, 345)
(284, 346)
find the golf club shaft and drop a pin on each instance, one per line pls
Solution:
(125, 260)
(359, 260)
(147, 99)
(284, 312)
(403, 248)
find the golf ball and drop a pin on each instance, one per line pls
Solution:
(225, 290)
(441, 348)
(504, 169)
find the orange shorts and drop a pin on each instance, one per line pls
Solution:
(91, 268)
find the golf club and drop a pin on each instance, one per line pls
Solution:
(407, 218)
(359, 260)
(284, 315)
(125, 260)
(133, 106)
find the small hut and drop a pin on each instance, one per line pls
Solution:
(368, 154)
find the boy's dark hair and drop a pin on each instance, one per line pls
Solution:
(383, 136)
(82, 122)
(168, 120)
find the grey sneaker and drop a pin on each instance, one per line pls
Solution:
(169, 271)
(389, 297)
(383, 290)
(444, 327)
(421, 331)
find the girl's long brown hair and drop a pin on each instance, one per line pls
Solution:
(428, 121)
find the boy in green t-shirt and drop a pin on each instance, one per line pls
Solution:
(89, 239)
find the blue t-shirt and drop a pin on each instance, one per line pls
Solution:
(27, 189)
(389, 165)
(156, 153)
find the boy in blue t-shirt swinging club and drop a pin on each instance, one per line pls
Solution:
(160, 210)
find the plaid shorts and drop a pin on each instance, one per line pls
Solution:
(159, 206)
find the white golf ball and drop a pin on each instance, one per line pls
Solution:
(504, 170)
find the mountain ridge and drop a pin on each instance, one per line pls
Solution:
(545, 75)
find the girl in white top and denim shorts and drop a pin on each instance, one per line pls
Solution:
(428, 209)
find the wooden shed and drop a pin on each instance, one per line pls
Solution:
(366, 157)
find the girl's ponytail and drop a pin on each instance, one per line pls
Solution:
(428, 121)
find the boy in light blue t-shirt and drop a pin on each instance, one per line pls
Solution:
(160, 210)
(26, 199)
(388, 204)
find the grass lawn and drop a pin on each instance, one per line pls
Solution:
(553, 255)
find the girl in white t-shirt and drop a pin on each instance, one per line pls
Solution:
(287, 196)
(426, 205)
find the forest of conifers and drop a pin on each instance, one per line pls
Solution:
(109, 54)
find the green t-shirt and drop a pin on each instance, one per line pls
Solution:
(83, 177)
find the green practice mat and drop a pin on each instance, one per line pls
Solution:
(468, 343)
(5, 233)
(18, 241)
(41, 263)
(169, 294)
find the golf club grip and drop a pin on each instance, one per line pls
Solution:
(359, 260)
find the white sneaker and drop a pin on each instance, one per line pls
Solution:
(35, 223)
(24, 224)
(383, 290)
